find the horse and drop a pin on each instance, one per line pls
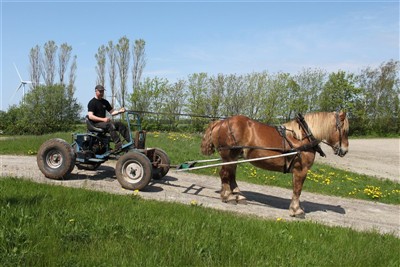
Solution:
(239, 136)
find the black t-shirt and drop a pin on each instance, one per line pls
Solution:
(99, 107)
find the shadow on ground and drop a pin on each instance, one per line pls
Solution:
(283, 203)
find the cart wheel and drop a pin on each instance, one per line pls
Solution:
(133, 171)
(160, 157)
(56, 158)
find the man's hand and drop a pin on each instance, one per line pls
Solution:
(122, 110)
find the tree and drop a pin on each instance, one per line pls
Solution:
(101, 65)
(139, 62)
(215, 94)
(197, 98)
(35, 65)
(123, 56)
(276, 95)
(46, 109)
(72, 76)
(235, 95)
(256, 84)
(378, 103)
(112, 70)
(49, 65)
(295, 101)
(339, 92)
(310, 83)
(63, 60)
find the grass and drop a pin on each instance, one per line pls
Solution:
(43, 225)
(182, 147)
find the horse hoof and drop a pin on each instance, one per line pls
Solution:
(300, 216)
(230, 200)
(241, 200)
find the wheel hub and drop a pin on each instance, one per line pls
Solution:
(54, 159)
(134, 171)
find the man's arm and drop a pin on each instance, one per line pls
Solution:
(116, 112)
(92, 117)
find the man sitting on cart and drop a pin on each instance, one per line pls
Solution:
(97, 108)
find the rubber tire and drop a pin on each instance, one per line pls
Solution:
(161, 157)
(141, 167)
(56, 158)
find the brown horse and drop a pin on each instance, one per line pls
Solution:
(240, 136)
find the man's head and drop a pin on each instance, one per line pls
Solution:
(99, 89)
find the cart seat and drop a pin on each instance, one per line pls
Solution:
(91, 127)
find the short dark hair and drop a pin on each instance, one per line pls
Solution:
(99, 87)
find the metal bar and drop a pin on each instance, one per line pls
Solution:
(238, 162)
(205, 160)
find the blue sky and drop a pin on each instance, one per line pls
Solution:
(185, 37)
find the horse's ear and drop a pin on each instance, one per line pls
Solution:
(342, 115)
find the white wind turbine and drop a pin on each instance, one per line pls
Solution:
(22, 84)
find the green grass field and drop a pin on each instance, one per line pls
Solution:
(43, 225)
(182, 147)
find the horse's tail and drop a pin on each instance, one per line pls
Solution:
(207, 145)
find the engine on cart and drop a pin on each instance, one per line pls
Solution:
(90, 144)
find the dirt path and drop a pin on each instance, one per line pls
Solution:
(263, 201)
(375, 157)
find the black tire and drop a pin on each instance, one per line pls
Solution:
(56, 158)
(133, 171)
(160, 157)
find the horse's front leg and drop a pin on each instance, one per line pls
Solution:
(299, 177)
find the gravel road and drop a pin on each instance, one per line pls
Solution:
(375, 157)
(263, 201)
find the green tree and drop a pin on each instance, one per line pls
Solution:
(45, 109)
(310, 83)
(257, 87)
(197, 98)
(275, 98)
(378, 103)
(216, 90)
(339, 92)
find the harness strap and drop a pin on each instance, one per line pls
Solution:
(315, 143)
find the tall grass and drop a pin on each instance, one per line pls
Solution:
(43, 225)
(182, 147)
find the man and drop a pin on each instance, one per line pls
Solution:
(97, 108)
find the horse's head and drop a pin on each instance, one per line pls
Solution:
(339, 138)
(331, 128)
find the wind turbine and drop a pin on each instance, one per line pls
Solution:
(22, 84)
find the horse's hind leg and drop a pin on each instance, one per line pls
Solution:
(226, 193)
(240, 198)
(230, 192)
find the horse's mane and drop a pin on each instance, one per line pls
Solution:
(320, 124)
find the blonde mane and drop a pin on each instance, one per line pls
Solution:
(321, 125)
